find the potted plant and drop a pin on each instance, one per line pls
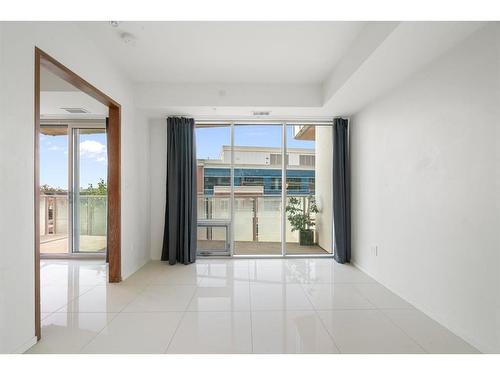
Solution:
(299, 215)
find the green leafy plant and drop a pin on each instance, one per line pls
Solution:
(49, 190)
(299, 213)
(101, 189)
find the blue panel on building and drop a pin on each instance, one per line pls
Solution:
(300, 182)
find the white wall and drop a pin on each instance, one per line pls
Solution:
(66, 43)
(135, 194)
(158, 157)
(324, 193)
(162, 95)
(425, 189)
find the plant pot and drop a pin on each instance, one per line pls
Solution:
(306, 237)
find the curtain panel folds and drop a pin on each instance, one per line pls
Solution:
(180, 233)
(341, 191)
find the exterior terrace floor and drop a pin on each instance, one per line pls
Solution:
(262, 247)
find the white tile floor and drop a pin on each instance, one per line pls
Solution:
(231, 306)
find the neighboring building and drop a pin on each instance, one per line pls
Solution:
(257, 171)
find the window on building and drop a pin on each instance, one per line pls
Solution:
(275, 159)
(212, 181)
(252, 181)
(307, 160)
(275, 184)
(293, 184)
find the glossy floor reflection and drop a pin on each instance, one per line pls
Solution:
(231, 306)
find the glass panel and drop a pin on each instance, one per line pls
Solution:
(90, 181)
(309, 200)
(54, 190)
(257, 189)
(213, 153)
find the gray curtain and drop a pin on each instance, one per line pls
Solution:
(341, 191)
(179, 236)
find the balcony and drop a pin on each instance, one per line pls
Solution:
(54, 224)
(256, 225)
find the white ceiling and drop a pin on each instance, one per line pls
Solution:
(50, 82)
(292, 69)
(57, 94)
(226, 52)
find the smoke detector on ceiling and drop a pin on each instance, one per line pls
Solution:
(261, 113)
(114, 23)
(75, 110)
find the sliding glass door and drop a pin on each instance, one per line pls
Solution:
(54, 192)
(309, 216)
(245, 209)
(213, 154)
(257, 188)
(73, 195)
(89, 198)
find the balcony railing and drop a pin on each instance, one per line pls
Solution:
(256, 218)
(54, 214)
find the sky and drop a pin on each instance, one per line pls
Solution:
(54, 160)
(209, 141)
(93, 162)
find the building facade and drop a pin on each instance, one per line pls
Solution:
(258, 167)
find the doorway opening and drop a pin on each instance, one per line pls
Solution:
(77, 179)
(73, 187)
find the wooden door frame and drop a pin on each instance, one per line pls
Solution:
(42, 59)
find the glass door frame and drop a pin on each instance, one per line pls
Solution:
(284, 125)
(72, 126)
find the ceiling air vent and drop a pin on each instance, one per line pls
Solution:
(261, 113)
(75, 110)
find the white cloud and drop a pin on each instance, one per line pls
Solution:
(93, 150)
